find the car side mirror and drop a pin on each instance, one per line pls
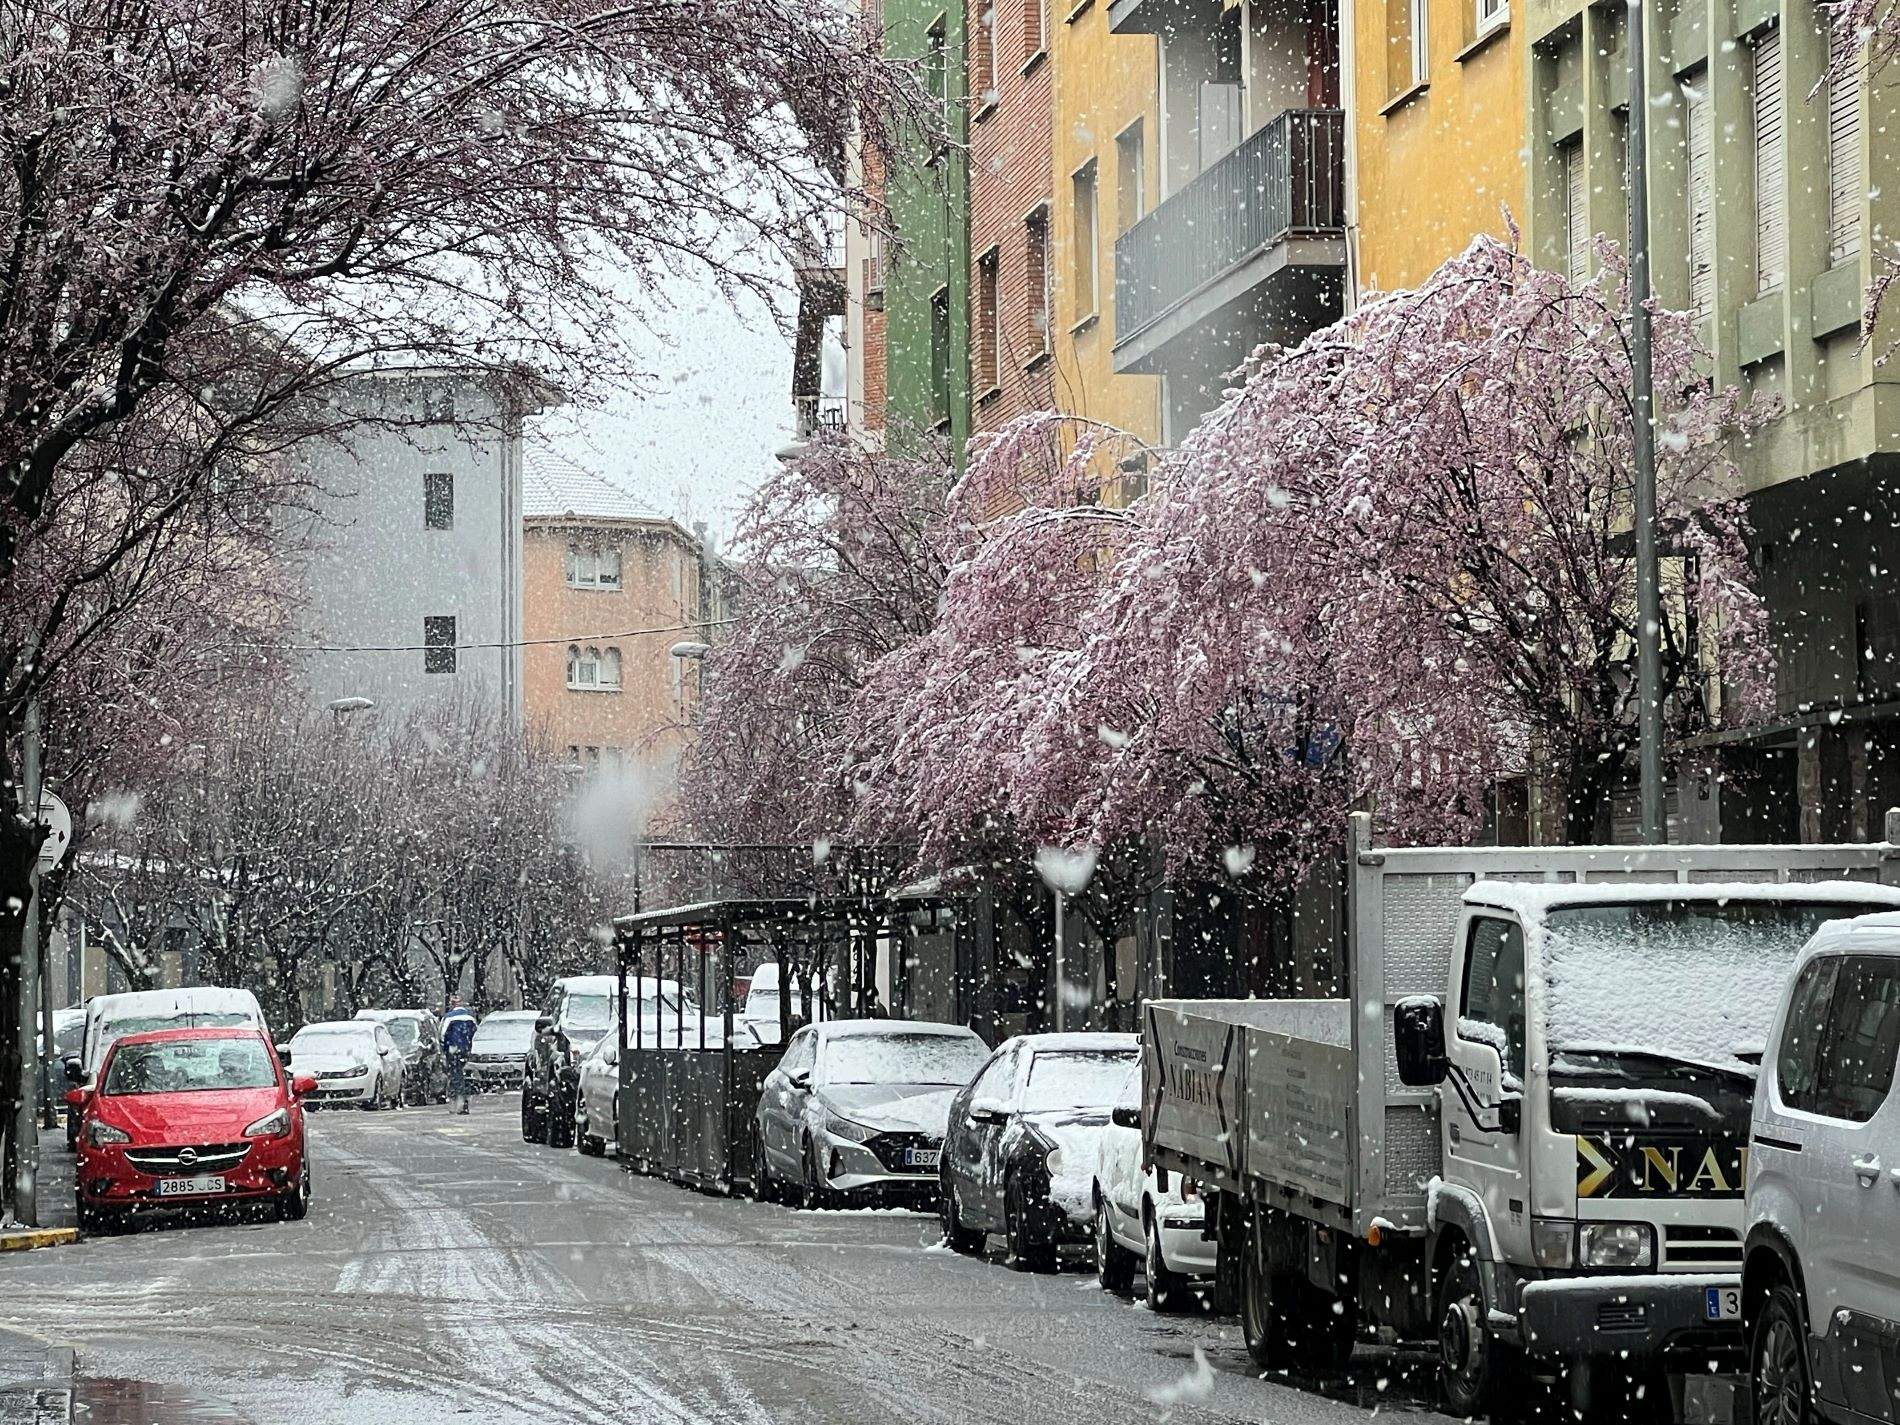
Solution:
(75, 1071)
(988, 1110)
(1418, 1041)
(75, 1098)
(543, 1023)
(799, 1078)
(1127, 1117)
(283, 1055)
(303, 1084)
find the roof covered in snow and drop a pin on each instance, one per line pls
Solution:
(554, 487)
(1092, 1043)
(1534, 898)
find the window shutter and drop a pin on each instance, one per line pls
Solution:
(1771, 189)
(1576, 216)
(1701, 195)
(1843, 148)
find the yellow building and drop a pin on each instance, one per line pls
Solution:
(1104, 179)
(1437, 108)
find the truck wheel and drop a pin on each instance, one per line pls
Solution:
(1778, 1378)
(1332, 1325)
(1263, 1313)
(1470, 1359)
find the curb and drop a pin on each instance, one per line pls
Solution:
(28, 1239)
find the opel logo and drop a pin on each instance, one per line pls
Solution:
(187, 1156)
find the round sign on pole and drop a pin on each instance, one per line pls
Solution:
(59, 836)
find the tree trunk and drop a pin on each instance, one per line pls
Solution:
(1591, 776)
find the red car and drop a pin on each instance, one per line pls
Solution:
(194, 1119)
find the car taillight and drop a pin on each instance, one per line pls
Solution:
(1189, 1189)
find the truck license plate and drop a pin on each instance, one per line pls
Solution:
(1723, 1303)
(186, 1187)
(921, 1157)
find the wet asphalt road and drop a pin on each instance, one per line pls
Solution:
(448, 1269)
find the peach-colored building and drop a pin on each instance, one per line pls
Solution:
(609, 588)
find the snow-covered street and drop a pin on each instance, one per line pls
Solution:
(448, 1268)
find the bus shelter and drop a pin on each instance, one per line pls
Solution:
(690, 1077)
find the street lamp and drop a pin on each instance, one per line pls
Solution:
(342, 708)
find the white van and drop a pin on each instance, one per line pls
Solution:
(110, 1017)
(1821, 1282)
(759, 1019)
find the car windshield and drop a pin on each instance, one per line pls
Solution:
(1633, 979)
(1080, 1079)
(764, 1001)
(899, 1058)
(588, 1011)
(341, 1037)
(403, 1031)
(189, 1066)
(504, 1036)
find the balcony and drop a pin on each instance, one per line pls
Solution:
(1252, 250)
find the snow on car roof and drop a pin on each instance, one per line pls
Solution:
(338, 1026)
(383, 1016)
(200, 999)
(1534, 898)
(849, 1028)
(589, 984)
(511, 1014)
(1080, 1043)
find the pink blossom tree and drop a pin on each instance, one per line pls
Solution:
(1395, 567)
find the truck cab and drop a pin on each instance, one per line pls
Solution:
(1594, 1058)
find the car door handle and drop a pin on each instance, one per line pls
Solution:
(1867, 1170)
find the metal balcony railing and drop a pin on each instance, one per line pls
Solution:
(1287, 179)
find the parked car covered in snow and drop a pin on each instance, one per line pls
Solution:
(1023, 1139)
(597, 1101)
(1139, 1224)
(111, 1017)
(1820, 1289)
(857, 1108)
(759, 1016)
(417, 1032)
(352, 1060)
(500, 1051)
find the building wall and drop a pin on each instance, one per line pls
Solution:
(1434, 169)
(1011, 179)
(925, 257)
(639, 725)
(1104, 102)
(375, 571)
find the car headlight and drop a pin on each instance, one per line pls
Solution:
(845, 1128)
(1615, 1244)
(1054, 1162)
(100, 1134)
(272, 1125)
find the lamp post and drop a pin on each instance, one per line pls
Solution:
(1643, 448)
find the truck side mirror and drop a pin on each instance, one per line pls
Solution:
(1418, 1041)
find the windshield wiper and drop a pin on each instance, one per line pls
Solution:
(1611, 1060)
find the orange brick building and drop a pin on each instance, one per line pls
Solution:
(616, 586)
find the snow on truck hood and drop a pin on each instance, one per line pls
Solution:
(893, 1108)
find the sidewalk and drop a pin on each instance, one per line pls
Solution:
(58, 1224)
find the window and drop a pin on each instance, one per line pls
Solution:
(1856, 1062)
(1699, 118)
(940, 356)
(1035, 28)
(1491, 14)
(989, 336)
(1036, 274)
(1087, 250)
(1843, 149)
(1408, 44)
(593, 566)
(1494, 990)
(1801, 1034)
(983, 56)
(438, 643)
(1576, 215)
(1131, 186)
(590, 669)
(1771, 195)
(438, 500)
(610, 668)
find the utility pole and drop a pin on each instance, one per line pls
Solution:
(26, 1138)
(1643, 399)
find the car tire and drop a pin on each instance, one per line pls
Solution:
(1780, 1384)
(1027, 1252)
(1167, 1289)
(92, 1221)
(814, 1194)
(294, 1205)
(1114, 1263)
(964, 1241)
(1473, 1365)
(586, 1142)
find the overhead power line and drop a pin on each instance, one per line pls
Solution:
(595, 636)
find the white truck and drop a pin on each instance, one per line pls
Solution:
(1520, 1131)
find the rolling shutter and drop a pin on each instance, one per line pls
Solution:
(1771, 162)
(1695, 93)
(1843, 150)
(1576, 216)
